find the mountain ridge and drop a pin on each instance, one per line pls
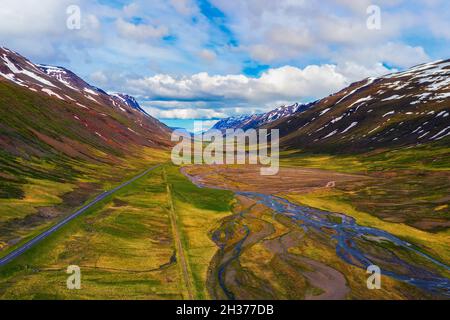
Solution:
(70, 114)
(257, 120)
(399, 109)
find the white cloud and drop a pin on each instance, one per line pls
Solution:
(131, 9)
(208, 96)
(208, 55)
(40, 31)
(263, 53)
(184, 7)
(197, 71)
(20, 17)
(286, 82)
(354, 71)
(439, 26)
(140, 32)
(288, 31)
(186, 113)
(99, 78)
(397, 54)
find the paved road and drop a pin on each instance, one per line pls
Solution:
(26, 246)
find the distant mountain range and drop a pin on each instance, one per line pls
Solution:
(48, 110)
(257, 120)
(400, 109)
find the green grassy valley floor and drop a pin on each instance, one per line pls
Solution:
(406, 193)
(162, 237)
(125, 247)
(408, 185)
(36, 193)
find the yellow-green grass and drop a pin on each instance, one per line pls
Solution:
(40, 192)
(265, 265)
(406, 185)
(356, 278)
(124, 246)
(425, 157)
(199, 212)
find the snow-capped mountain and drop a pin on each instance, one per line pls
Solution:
(128, 100)
(59, 82)
(257, 120)
(282, 112)
(67, 78)
(404, 108)
(48, 102)
(237, 122)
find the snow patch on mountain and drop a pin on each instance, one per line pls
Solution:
(350, 126)
(51, 93)
(18, 70)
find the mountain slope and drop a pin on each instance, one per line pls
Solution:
(62, 141)
(405, 108)
(400, 109)
(50, 109)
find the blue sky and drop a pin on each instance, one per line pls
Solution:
(208, 59)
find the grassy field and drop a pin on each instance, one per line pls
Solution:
(199, 213)
(162, 237)
(125, 245)
(425, 157)
(406, 195)
(408, 186)
(48, 192)
(404, 192)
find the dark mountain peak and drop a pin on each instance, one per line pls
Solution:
(128, 100)
(67, 78)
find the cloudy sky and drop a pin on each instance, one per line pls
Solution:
(208, 59)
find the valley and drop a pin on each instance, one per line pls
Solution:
(126, 247)
(363, 179)
(244, 244)
(297, 227)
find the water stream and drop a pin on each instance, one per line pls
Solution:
(346, 235)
